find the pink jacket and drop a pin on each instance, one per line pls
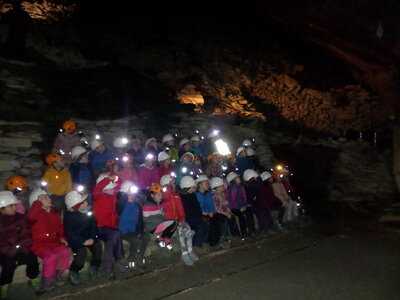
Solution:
(280, 192)
(148, 176)
(66, 142)
(128, 174)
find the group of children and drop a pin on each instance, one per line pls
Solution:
(91, 194)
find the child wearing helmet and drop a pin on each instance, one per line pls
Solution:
(214, 165)
(80, 170)
(185, 167)
(195, 149)
(253, 187)
(193, 214)
(58, 179)
(153, 218)
(236, 195)
(184, 147)
(81, 229)
(152, 146)
(15, 244)
(223, 214)
(148, 172)
(136, 152)
(18, 185)
(197, 166)
(172, 205)
(104, 202)
(243, 163)
(67, 139)
(98, 157)
(164, 160)
(291, 208)
(129, 209)
(48, 239)
(169, 147)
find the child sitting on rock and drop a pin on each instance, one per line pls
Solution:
(172, 205)
(136, 152)
(153, 218)
(169, 147)
(148, 172)
(164, 161)
(15, 244)
(131, 222)
(185, 168)
(81, 229)
(49, 241)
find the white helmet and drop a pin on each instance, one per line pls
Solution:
(167, 138)
(183, 142)
(195, 138)
(35, 195)
(77, 151)
(213, 133)
(249, 174)
(165, 180)
(128, 187)
(231, 176)
(163, 156)
(246, 143)
(7, 198)
(240, 149)
(265, 175)
(109, 186)
(250, 152)
(187, 182)
(216, 182)
(94, 144)
(121, 142)
(73, 198)
(190, 154)
(202, 178)
(150, 140)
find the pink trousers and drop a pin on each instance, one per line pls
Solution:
(56, 260)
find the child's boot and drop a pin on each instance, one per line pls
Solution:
(93, 272)
(60, 278)
(74, 278)
(48, 284)
(35, 284)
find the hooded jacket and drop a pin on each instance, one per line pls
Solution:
(66, 142)
(191, 205)
(104, 204)
(14, 231)
(152, 214)
(46, 229)
(172, 205)
(206, 201)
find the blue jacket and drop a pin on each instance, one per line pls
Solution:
(206, 202)
(79, 227)
(81, 174)
(242, 164)
(98, 160)
(131, 219)
(196, 150)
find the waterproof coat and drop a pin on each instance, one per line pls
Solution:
(243, 164)
(46, 228)
(206, 202)
(191, 205)
(267, 198)
(130, 215)
(221, 203)
(162, 170)
(81, 174)
(172, 205)
(14, 231)
(152, 214)
(59, 183)
(104, 204)
(97, 160)
(66, 142)
(252, 191)
(236, 195)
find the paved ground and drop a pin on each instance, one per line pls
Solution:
(298, 265)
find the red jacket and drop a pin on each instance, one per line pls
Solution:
(46, 229)
(147, 176)
(104, 204)
(172, 204)
(15, 235)
(163, 170)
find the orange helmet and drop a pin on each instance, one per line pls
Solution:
(69, 126)
(229, 156)
(196, 157)
(51, 158)
(211, 156)
(156, 188)
(17, 182)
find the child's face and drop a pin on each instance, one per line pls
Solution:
(192, 190)
(186, 147)
(115, 168)
(46, 201)
(135, 145)
(243, 153)
(101, 148)
(196, 143)
(170, 143)
(186, 159)
(59, 163)
(204, 185)
(197, 163)
(84, 159)
(157, 197)
(237, 180)
(83, 206)
(8, 210)
(149, 163)
(167, 162)
(220, 189)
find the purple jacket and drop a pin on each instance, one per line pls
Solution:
(15, 235)
(236, 196)
(147, 176)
